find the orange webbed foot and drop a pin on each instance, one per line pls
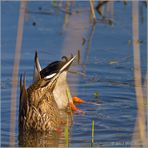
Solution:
(74, 108)
(77, 100)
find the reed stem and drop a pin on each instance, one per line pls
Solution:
(92, 136)
(66, 132)
(15, 72)
(68, 97)
(140, 126)
(92, 10)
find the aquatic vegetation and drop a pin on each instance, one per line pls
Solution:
(96, 94)
(66, 133)
(78, 56)
(92, 134)
(69, 109)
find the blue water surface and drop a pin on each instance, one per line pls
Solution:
(107, 68)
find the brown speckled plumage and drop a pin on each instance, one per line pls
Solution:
(38, 109)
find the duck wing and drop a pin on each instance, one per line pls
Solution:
(24, 104)
(44, 117)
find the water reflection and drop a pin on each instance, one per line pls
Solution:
(53, 139)
(38, 140)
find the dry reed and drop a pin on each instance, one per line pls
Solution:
(92, 10)
(15, 72)
(140, 123)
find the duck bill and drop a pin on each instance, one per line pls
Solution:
(67, 65)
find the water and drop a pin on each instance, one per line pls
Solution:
(106, 63)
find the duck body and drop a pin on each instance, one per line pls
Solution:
(38, 109)
(60, 91)
(61, 86)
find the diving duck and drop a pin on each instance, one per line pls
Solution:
(38, 109)
(61, 86)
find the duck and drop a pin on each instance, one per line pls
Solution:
(61, 88)
(38, 110)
